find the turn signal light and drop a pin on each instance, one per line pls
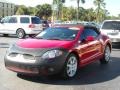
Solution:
(31, 26)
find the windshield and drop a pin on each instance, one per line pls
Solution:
(58, 34)
(114, 25)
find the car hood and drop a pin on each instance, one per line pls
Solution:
(40, 43)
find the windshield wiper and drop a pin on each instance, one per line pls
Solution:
(39, 38)
(54, 39)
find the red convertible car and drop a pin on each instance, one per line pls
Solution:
(59, 50)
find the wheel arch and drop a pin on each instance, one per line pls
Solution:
(63, 71)
(20, 28)
(76, 54)
(110, 45)
(103, 60)
(22, 31)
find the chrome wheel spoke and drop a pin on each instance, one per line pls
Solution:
(107, 54)
(71, 66)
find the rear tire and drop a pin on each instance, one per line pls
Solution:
(106, 56)
(20, 33)
(32, 35)
(70, 67)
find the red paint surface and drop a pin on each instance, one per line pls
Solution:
(40, 43)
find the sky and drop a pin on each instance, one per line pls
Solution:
(113, 6)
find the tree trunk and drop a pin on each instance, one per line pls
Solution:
(78, 1)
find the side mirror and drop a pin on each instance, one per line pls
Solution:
(90, 38)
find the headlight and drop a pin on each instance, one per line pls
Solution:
(52, 54)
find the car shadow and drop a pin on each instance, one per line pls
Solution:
(91, 74)
(15, 37)
(9, 36)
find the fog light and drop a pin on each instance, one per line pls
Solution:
(51, 69)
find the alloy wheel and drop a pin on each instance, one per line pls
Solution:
(72, 66)
(107, 53)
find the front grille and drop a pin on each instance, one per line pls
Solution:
(24, 56)
(13, 54)
(28, 56)
(113, 33)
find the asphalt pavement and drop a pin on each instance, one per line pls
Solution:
(92, 77)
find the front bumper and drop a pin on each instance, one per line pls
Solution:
(43, 67)
(38, 66)
(115, 39)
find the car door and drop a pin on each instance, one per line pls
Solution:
(89, 50)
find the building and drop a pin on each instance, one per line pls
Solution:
(6, 8)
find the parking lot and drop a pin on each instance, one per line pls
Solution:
(92, 77)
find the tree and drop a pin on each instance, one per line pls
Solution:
(21, 10)
(65, 15)
(59, 6)
(78, 2)
(100, 5)
(84, 14)
(68, 13)
(89, 15)
(32, 10)
(81, 13)
(44, 11)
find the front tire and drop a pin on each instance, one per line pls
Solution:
(106, 56)
(20, 33)
(70, 67)
(5, 35)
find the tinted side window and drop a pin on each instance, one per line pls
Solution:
(13, 20)
(35, 20)
(5, 20)
(24, 20)
(88, 32)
